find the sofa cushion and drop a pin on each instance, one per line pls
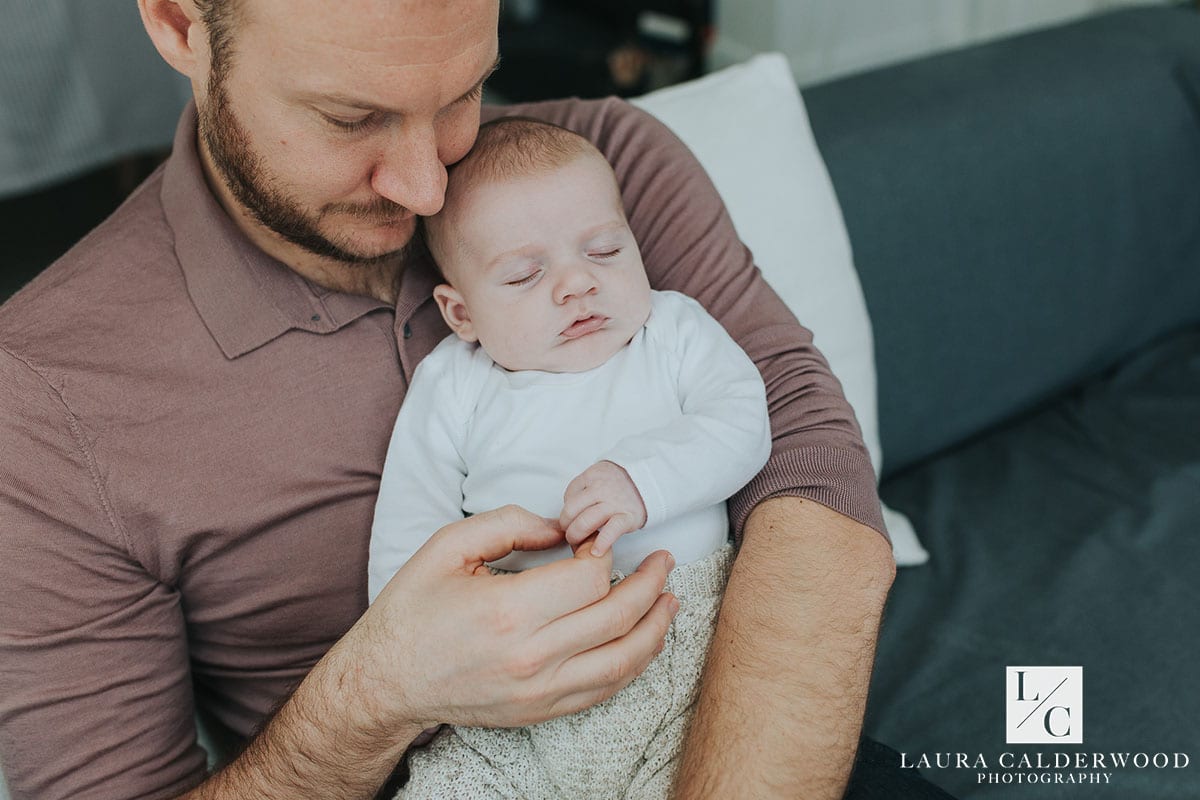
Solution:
(1023, 214)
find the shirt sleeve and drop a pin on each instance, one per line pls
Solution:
(95, 688)
(723, 437)
(689, 245)
(421, 489)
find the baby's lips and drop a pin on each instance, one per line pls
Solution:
(584, 326)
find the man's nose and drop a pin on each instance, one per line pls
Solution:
(409, 172)
(574, 281)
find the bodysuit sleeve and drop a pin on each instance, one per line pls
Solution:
(95, 688)
(689, 245)
(421, 489)
(723, 437)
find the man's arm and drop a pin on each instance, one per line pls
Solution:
(95, 693)
(785, 686)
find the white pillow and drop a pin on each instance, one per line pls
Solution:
(748, 127)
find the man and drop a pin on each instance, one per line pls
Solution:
(196, 403)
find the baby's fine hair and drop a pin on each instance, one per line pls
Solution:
(506, 148)
(511, 147)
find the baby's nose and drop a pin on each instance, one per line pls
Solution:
(575, 282)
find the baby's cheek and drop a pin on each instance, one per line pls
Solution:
(643, 303)
(512, 349)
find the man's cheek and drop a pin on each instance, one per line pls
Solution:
(458, 135)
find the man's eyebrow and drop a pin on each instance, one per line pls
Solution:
(365, 105)
(482, 80)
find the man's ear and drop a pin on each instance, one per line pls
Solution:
(454, 311)
(181, 39)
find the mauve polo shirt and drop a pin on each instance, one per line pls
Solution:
(192, 437)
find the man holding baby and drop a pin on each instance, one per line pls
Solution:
(197, 401)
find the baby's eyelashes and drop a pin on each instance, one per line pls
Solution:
(529, 277)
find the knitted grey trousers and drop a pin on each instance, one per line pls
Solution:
(626, 748)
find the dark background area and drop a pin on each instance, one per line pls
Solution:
(37, 228)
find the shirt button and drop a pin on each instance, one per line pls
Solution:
(316, 317)
(407, 331)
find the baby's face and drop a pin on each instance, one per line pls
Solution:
(547, 275)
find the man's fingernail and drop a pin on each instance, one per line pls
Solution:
(674, 605)
(670, 561)
(596, 551)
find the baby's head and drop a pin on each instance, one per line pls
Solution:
(541, 267)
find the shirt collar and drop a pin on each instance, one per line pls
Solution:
(245, 297)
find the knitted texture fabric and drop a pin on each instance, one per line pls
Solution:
(625, 748)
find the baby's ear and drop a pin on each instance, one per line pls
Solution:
(454, 311)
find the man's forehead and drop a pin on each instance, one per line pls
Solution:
(421, 32)
(402, 56)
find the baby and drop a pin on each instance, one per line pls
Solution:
(571, 388)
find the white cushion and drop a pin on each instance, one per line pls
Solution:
(748, 127)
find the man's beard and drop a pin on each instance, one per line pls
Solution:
(241, 170)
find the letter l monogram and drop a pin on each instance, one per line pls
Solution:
(1021, 686)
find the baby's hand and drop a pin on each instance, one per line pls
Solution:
(602, 498)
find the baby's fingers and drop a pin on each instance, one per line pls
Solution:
(575, 499)
(617, 526)
(587, 523)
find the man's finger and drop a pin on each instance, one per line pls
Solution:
(610, 667)
(494, 534)
(583, 628)
(561, 587)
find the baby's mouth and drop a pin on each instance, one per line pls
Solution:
(582, 327)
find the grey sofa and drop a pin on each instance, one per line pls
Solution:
(1025, 217)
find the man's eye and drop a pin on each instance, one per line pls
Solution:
(526, 279)
(349, 124)
(616, 251)
(476, 94)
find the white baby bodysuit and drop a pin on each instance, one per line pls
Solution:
(681, 408)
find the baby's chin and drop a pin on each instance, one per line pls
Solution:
(580, 364)
(577, 355)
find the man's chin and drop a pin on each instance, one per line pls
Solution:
(374, 243)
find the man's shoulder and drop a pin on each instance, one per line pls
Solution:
(124, 269)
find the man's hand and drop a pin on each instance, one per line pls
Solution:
(601, 500)
(448, 641)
